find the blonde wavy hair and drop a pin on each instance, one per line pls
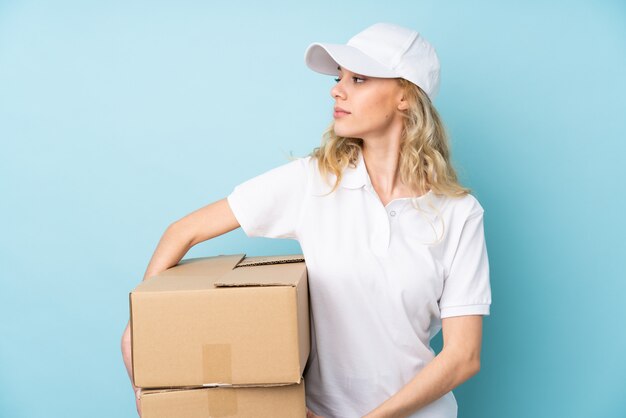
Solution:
(424, 154)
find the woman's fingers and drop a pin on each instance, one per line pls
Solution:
(138, 400)
(310, 414)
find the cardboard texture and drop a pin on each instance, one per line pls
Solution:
(245, 402)
(216, 321)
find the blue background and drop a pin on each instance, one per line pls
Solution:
(120, 117)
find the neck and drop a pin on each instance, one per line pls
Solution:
(382, 161)
(381, 155)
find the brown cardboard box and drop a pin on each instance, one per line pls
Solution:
(221, 321)
(244, 402)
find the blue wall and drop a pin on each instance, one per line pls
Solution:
(117, 118)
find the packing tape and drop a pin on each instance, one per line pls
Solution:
(217, 365)
(222, 402)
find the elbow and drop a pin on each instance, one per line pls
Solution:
(181, 232)
(471, 365)
(467, 364)
(474, 367)
(174, 226)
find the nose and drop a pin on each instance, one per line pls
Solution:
(338, 90)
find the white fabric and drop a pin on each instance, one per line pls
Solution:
(379, 282)
(381, 50)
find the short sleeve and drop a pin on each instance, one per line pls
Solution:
(466, 289)
(269, 205)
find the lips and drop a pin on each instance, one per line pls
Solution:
(339, 112)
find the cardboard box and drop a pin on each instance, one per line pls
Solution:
(221, 320)
(245, 402)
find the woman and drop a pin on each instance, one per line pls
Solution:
(394, 246)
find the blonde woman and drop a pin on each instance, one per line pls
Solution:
(394, 245)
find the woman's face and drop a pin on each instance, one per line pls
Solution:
(373, 105)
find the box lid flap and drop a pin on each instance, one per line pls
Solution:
(270, 259)
(204, 266)
(285, 270)
(191, 274)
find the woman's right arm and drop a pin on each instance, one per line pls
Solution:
(205, 223)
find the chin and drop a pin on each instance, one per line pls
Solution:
(345, 133)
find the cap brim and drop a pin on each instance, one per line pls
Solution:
(325, 58)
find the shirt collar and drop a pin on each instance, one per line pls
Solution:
(355, 178)
(352, 178)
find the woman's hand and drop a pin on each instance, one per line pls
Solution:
(310, 414)
(137, 401)
(128, 356)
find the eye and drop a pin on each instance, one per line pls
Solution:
(353, 78)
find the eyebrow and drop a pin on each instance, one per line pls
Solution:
(356, 74)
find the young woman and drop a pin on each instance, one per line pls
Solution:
(394, 245)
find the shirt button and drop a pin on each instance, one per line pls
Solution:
(392, 213)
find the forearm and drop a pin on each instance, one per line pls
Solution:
(172, 247)
(445, 372)
(203, 224)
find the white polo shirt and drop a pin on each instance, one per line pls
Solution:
(380, 278)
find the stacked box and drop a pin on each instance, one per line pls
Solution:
(224, 336)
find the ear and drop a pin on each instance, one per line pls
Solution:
(403, 104)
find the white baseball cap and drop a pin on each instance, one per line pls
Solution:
(382, 50)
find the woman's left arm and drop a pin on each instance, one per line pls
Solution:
(458, 361)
